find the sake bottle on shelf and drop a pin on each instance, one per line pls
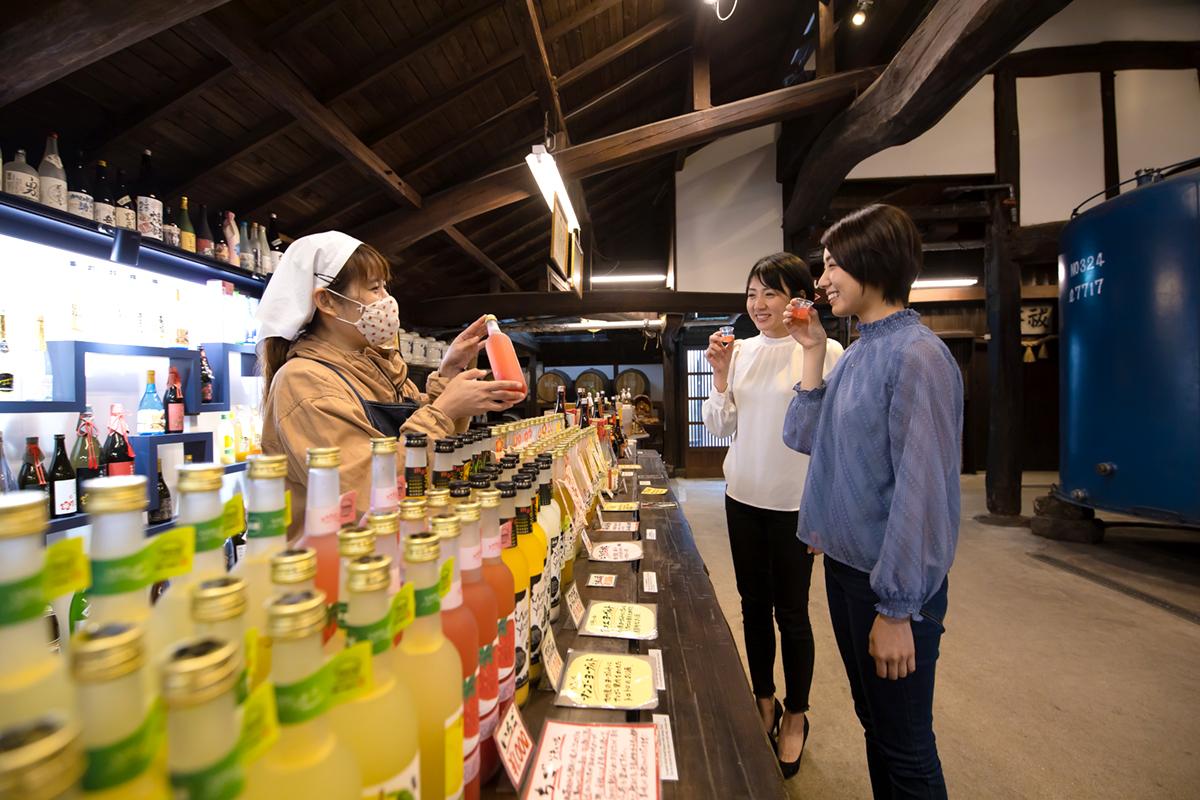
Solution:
(500, 578)
(322, 515)
(103, 204)
(148, 207)
(429, 665)
(219, 610)
(379, 727)
(122, 722)
(52, 178)
(275, 242)
(124, 207)
(187, 233)
(480, 600)
(33, 680)
(514, 558)
(42, 759)
(61, 481)
(307, 761)
(198, 680)
(384, 495)
(535, 557)
(21, 179)
(205, 243)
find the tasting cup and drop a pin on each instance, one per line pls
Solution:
(798, 309)
(725, 332)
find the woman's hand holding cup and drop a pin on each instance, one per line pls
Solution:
(719, 354)
(804, 323)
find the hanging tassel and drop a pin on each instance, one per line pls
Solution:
(1043, 352)
(1029, 359)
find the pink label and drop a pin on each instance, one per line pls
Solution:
(323, 520)
(175, 417)
(506, 529)
(385, 498)
(492, 547)
(347, 504)
(471, 558)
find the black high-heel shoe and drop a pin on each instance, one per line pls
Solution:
(790, 768)
(774, 734)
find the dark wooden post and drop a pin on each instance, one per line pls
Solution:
(1108, 126)
(674, 423)
(826, 28)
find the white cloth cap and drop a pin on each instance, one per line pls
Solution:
(310, 262)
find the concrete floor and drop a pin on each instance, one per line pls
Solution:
(1050, 684)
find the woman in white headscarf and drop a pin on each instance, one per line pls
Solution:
(331, 376)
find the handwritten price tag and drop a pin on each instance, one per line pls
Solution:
(516, 748)
(626, 506)
(347, 505)
(602, 580)
(587, 542)
(551, 660)
(650, 582)
(654, 490)
(575, 605)
(651, 534)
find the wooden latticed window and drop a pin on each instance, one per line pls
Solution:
(699, 385)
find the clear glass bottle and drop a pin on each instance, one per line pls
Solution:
(437, 501)
(219, 610)
(384, 494)
(41, 759)
(386, 528)
(352, 543)
(293, 570)
(266, 536)
(416, 460)
(8, 481)
(116, 506)
(413, 513)
(322, 516)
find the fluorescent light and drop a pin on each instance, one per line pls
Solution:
(944, 283)
(605, 324)
(631, 278)
(550, 181)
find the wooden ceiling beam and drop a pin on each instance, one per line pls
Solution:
(266, 131)
(479, 257)
(622, 149)
(528, 30)
(299, 19)
(609, 54)
(949, 52)
(142, 117)
(455, 310)
(1101, 57)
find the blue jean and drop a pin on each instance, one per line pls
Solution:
(896, 716)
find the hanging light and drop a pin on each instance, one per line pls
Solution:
(549, 180)
(860, 14)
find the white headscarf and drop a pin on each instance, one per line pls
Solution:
(310, 262)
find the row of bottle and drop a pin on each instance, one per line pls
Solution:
(254, 247)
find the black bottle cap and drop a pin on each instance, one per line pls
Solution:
(415, 440)
(507, 489)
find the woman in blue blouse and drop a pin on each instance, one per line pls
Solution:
(881, 500)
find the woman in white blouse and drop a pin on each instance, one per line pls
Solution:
(752, 387)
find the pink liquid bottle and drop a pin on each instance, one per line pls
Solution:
(322, 516)
(501, 355)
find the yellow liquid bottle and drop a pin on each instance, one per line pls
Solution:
(535, 557)
(429, 665)
(219, 611)
(386, 527)
(198, 677)
(41, 760)
(380, 727)
(200, 507)
(517, 564)
(266, 536)
(293, 570)
(352, 543)
(33, 679)
(123, 727)
(548, 522)
(307, 762)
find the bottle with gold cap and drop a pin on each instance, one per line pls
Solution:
(413, 518)
(266, 536)
(352, 543)
(219, 610)
(41, 759)
(198, 678)
(322, 516)
(429, 665)
(385, 494)
(535, 558)
(123, 726)
(500, 578)
(460, 627)
(115, 506)
(33, 679)
(549, 522)
(199, 490)
(514, 558)
(293, 570)
(416, 461)
(386, 528)
(479, 599)
(437, 501)
(308, 761)
(379, 727)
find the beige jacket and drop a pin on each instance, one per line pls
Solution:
(310, 406)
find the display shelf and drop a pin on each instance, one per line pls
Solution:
(67, 523)
(145, 455)
(238, 467)
(218, 358)
(159, 527)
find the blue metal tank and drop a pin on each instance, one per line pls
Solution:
(1129, 296)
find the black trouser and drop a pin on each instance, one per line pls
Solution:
(773, 570)
(896, 716)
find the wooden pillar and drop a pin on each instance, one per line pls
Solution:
(674, 422)
(1108, 125)
(826, 29)
(1007, 134)
(701, 83)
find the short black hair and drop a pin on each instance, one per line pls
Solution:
(879, 246)
(784, 273)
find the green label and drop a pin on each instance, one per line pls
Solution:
(404, 609)
(121, 762)
(210, 535)
(378, 634)
(167, 555)
(266, 524)
(429, 601)
(305, 699)
(241, 689)
(222, 781)
(22, 600)
(446, 577)
(353, 673)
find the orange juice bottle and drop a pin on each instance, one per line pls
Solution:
(500, 578)
(322, 515)
(501, 355)
(481, 601)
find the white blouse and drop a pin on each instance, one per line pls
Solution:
(760, 470)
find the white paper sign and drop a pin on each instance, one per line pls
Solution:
(587, 542)
(651, 534)
(617, 551)
(551, 659)
(516, 748)
(575, 605)
(667, 769)
(643, 483)
(660, 674)
(629, 526)
(650, 582)
(578, 761)
(602, 580)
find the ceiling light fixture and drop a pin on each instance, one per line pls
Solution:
(944, 283)
(860, 14)
(549, 180)
(611, 325)
(629, 278)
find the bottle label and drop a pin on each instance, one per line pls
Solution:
(386, 498)
(537, 610)
(506, 534)
(22, 600)
(378, 634)
(6, 381)
(492, 547)
(104, 214)
(414, 480)
(222, 781)
(472, 557)
(125, 217)
(22, 184)
(427, 601)
(171, 234)
(62, 494)
(260, 722)
(205, 247)
(266, 524)
(471, 764)
(119, 468)
(150, 217)
(454, 753)
(305, 699)
(522, 524)
(521, 657)
(168, 555)
(124, 760)
(187, 241)
(66, 570)
(175, 417)
(404, 785)
(54, 193)
(441, 478)
(489, 683)
(506, 636)
(210, 535)
(446, 579)
(403, 609)
(150, 420)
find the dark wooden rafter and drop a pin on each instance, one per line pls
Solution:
(60, 37)
(826, 29)
(950, 51)
(1116, 56)
(1108, 124)
(699, 90)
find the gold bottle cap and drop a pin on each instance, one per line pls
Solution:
(219, 599)
(421, 547)
(198, 670)
(369, 573)
(446, 526)
(261, 466)
(297, 615)
(200, 478)
(385, 444)
(115, 495)
(354, 542)
(294, 566)
(412, 508)
(488, 498)
(437, 498)
(386, 524)
(324, 456)
(102, 653)
(469, 511)
(489, 318)
(24, 514)
(41, 760)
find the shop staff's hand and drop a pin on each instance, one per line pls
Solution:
(467, 395)
(810, 333)
(719, 355)
(891, 645)
(463, 349)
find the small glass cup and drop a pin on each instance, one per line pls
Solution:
(798, 309)
(725, 335)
